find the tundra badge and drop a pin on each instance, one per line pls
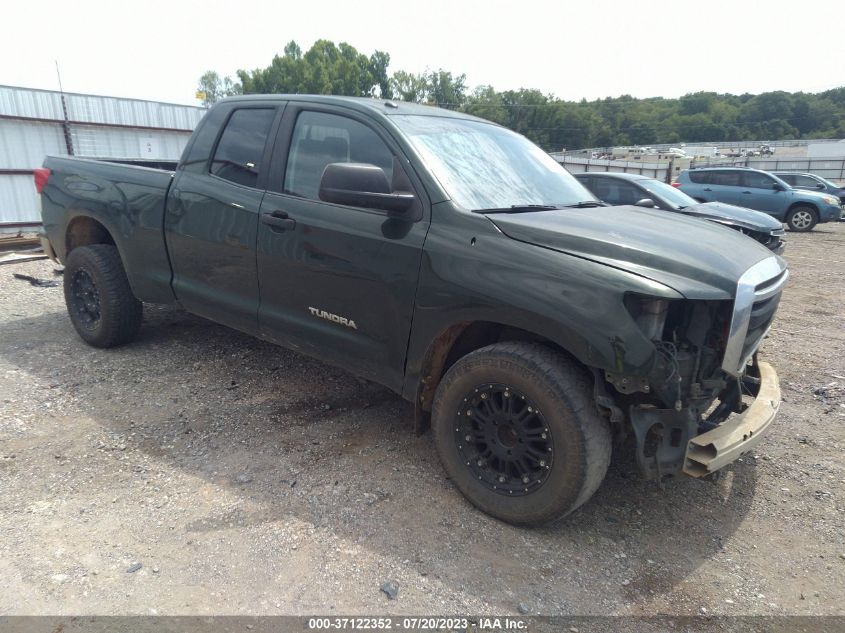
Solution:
(333, 317)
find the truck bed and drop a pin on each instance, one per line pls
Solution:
(127, 200)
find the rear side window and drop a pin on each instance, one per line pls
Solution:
(700, 177)
(238, 154)
(787, 178)
(320, 139)
(725, 178)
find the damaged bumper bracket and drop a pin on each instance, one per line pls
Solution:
(710, 451)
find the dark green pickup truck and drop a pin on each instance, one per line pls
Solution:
(456, 263)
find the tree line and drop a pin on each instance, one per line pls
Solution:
(552, 123)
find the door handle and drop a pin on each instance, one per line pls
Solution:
(746, 192)
(707, 189)
(278, 220)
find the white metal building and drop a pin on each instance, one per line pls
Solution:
(36, 123)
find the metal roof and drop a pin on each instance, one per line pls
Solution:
(32, 126)
(30, 103)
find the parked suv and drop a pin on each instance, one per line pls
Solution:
(811, 182)
(620, 189)
(760, 190)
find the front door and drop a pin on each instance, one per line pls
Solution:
(759, 192)
(211, 221)
(338, 282)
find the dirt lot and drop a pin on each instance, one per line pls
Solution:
(245, 478)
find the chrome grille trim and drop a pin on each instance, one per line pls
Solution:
(771, 276)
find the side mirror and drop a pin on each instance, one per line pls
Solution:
(362, 185)
(778, 187)
(648, 203)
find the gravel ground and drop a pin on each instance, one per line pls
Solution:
(200, 471)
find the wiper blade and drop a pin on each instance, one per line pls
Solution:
(586, 204)
(519, 208)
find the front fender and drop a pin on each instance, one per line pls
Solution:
(481, 275)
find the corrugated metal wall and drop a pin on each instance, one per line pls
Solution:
(23, 145)
(20, 202)
(32, 126)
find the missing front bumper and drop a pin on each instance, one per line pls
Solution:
(710, 451)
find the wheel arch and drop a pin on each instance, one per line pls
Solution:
(809, 205)
(84, 230)
(455, 342)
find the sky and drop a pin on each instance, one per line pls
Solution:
(572, 48)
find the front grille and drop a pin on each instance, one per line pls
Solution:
(757, 298)
(770, 240)
(762, 315)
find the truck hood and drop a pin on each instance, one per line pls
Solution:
(701, 260)
(734, 216)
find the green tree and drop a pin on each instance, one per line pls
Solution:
(445, 89)
(409, 87)
(214, 88)
(325, 68)
(553, 123)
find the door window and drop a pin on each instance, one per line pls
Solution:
(787, 178)
(320, 139)
(806, 181)
(241, 146)
(757, 181)
(617, 192)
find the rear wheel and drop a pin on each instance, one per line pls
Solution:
(100, 302)
(518, 432)
(802, 218)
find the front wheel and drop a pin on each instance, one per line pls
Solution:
(100, 302)
(518, 432)
(802, 219)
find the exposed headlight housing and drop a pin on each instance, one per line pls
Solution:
(831, 200)
(649, 314)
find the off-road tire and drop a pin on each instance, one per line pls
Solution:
(802, 219)
(562, 390)
(95, 282)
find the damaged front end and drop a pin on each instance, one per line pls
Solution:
(707, 399)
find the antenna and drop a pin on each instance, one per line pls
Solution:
(65, 121)
(59, 75)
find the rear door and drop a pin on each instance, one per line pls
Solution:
(338, 282)
(211, 219)
(724, 186)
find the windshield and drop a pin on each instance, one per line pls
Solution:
(484, 166)
(670, 194)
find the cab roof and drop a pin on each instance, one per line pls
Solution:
(614, 174)
(386, 107)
